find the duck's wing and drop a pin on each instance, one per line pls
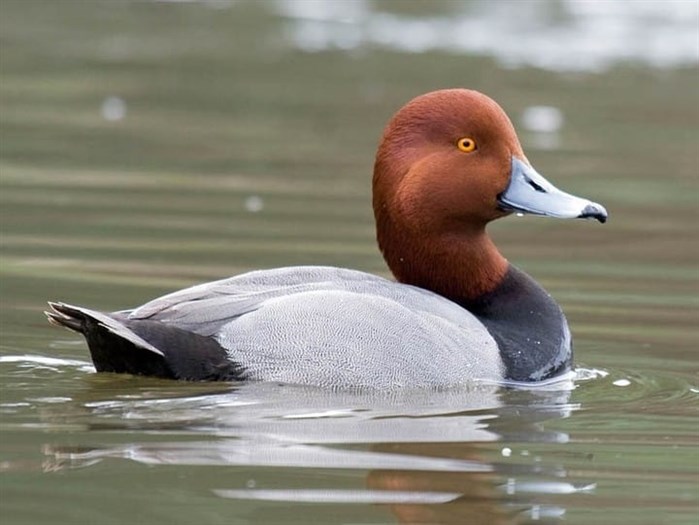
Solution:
(205, 308)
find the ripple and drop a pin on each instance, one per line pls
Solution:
(261, 452)
(390, 497)
(589, 374)
(645, 390)
(36, 362)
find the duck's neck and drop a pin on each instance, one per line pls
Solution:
(460, 266)
(527, 324)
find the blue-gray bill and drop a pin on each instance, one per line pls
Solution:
(529, 192)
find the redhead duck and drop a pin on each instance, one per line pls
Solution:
(449, 162)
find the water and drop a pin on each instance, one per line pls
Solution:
(588, 35)
(148, 146)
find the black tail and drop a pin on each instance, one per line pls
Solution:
(142, 347)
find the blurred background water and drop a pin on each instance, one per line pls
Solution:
(149, 145)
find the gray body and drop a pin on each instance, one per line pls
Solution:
(333, 327)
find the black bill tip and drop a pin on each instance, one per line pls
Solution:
(594, 211)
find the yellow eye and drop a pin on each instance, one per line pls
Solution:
(466, 145)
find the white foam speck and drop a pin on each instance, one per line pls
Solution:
(542, 119)
(587, 374)
(254, 204)
(113, 109)
(621, 382)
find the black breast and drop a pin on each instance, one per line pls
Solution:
(529, 327)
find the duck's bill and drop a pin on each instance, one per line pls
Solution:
(529, 192)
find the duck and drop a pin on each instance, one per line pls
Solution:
(448, 163)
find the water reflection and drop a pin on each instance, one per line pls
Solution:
(436, 457)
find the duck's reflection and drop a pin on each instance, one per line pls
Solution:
(431, 457)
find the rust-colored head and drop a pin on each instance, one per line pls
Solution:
(423, 176)
(442, 162)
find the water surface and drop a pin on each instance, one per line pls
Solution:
(146, 146)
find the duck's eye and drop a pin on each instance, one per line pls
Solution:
(466, 144)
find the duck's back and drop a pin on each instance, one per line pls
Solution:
(333, 327)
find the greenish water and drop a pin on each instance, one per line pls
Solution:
(146, 146)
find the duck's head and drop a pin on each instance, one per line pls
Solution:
(448, 163)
